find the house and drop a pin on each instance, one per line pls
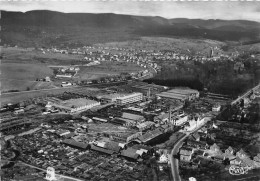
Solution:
(203, 130)
(102, 150)
(195, 136)
(241, 154)
(197, 144)
(235, 161)
(247, 163)
(229, 151)
(219, 158)
(186, 154)
(257, 158)
(216, 108)
(112, 145)
(163, 158)
(214, 147)
(130, 153)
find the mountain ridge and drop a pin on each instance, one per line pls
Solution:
(105, 27)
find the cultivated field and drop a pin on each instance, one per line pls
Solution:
(106, 68)
(22, 76)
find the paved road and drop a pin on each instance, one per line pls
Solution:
(61, 176)
(245, 94)
(175, 150)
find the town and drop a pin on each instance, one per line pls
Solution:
(134, 130)
(127, 91)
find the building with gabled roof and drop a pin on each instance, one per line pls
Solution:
(241, 154)
(257, 158)
(76, 144)
(229, 151)
(235, 161)
(134, 117)
(186, 154)
(102, 150)
(130, 153)
(214, 147)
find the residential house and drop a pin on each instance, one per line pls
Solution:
(219, 158)
(203, 130)
(257, 158)
(130, 153)
(235, 161)
(241, 154)
(247, 163)
(186, 154)
(197, 144)
(229, 151)
(195, 136)
(214, 147)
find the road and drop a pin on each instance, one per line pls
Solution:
(245, 94)
(59, 176)
(175, 150)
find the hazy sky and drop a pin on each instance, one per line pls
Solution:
(249, 10)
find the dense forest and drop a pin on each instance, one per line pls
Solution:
(230, 77)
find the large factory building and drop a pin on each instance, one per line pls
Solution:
(179, 94)
(130, 98)
(75, 105)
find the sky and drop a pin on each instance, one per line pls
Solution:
(196, 9)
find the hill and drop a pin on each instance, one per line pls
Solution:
(48, 28)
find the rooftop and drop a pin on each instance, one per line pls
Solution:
(132, 116)
(172, 95)
(130, 95)
(78, 102)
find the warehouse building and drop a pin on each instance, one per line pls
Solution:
(130, 98)
(179, 94)
(110, 98)
(75, 105)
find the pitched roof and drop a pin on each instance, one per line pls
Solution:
(134, 117)
(75, 143)
(195, 135)
(186, 151)
(103, 150)
(112, 145)
(130, 153)
(150, 135)
(230, 149)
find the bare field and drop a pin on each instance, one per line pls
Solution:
(106, 68)
(162, 43)
(20, 76)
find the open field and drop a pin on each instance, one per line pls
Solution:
(106, 68)
(162, 43)
(15, 97)
(21, 76)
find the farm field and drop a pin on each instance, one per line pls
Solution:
(106, 68)
(22, 76)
